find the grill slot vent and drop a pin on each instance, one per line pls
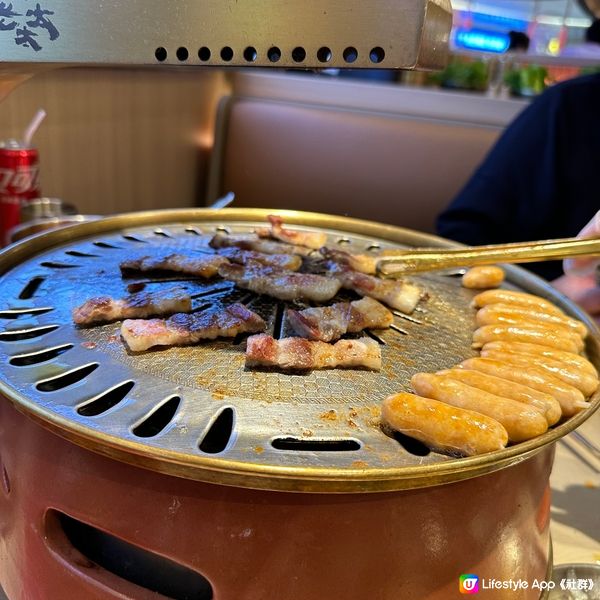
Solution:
(35, 358)
(26, 334)
(105, 401)
(218, 437)
(58, 265)
(158, 418)
(66, 379)
(21, 312)
(150, 571)
(31, 288)
(106, 245)
(298, 444)
(193, 231)
(133, 238)
(411, 445)
(162, 233)
(79, 254)
(279, 323)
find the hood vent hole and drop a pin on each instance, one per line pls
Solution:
(297, 444)
(66, 379)
(26, 334)
(31, 288)
(411, 445)
(106, 401)
(158, 419)
(25, 360)
(217, 438)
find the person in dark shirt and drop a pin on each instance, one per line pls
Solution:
(540, 180)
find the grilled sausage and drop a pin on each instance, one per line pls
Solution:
(521, 422)
(518, 298)
(569, 358)
(583, 381)
(483, 277)
(546, 404)
(571, 399)
(563, 340)
(443, 427)
(498, 314)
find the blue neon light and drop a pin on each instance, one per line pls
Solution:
(496, 21)
(479, 39)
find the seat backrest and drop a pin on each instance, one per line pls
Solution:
(395, 168)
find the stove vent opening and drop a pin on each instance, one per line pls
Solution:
(66, 379)
(123, 559)
(411, 445)
(218, 437)
(310, 445)
(35, 358)
(26, 334)
(158, 418)
(31, 287)
(105, 401)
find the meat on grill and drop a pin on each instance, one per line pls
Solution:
(197, 266)
(398, 294)
(281, 284)
(103, 309)
(363, 263)
(299, 353)
(184, 329)
(253, 242)
(290, 262)
(329, 323)
(310, 239)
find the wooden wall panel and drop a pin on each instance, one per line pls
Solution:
(117, 140)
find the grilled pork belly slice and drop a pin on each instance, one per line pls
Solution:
(289, 262)
(281, 284)
(398, 294)
(184, 329)
(198, 266)
(310, 239)
(103, 309)
(299, 353)
(253, 242)
(363, 263)
(329, 323)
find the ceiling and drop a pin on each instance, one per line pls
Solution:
(550, 12)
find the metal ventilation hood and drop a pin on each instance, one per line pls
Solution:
(398, 34)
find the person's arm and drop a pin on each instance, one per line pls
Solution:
(581, 278)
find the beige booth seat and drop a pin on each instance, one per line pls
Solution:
(381, 152)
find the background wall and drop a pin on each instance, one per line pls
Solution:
(120, 139)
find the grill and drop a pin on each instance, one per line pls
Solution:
(195, 411)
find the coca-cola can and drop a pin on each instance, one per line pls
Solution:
(19, 183)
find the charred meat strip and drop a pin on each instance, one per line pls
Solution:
(197, 266)
(143, 304)
(281, 284)
(299, 353)
(289, 262)
(329, 323)
(183, 329)
(252, 242)
(363, 263)
(310, 239)
(395, 293)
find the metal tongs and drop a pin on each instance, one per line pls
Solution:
(395, 263)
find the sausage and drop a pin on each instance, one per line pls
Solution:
(585, 382)
(518, 298)
(562, 339)
(513, 314)
(546, 404)
(569, 358)
(443, 427)
(483, 277)
(571, 399)
(521, 422)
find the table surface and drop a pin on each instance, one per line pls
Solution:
(575, 482)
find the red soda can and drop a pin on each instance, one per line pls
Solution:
(19, 183)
